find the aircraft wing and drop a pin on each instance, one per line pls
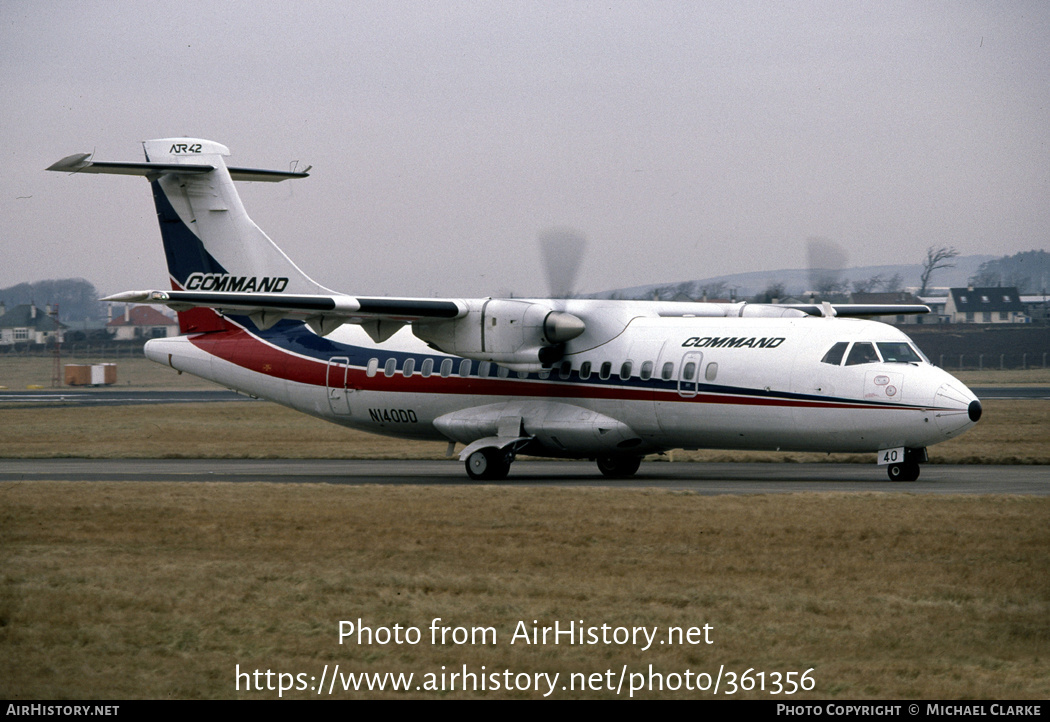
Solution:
(323, 313)
(852, 310)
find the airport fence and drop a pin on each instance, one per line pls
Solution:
(982, 361)
(75, 351)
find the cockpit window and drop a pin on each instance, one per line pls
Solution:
(899, 353)
(835, 354)
(862, 353)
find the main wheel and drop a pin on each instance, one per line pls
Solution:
(903, 472)
(488, 464)
(619, 467)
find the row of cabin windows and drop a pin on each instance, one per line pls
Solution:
(564, 370)
(863, 352)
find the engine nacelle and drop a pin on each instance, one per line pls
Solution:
(522, 335)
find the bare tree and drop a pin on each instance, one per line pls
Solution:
(774, 293)
(936, 258)
(893, 283)
(868, 285)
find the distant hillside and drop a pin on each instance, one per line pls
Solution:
(797, 281)
(1029, 272)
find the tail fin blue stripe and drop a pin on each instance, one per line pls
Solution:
(182, 248)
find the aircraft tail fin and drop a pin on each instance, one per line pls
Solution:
(209, 241)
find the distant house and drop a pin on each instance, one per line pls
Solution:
(1037, 307)
(900, 298)
(936, 304)
(26, 323)
(141, 322)
(994, 304)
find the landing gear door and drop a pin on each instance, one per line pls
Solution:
(336, 382)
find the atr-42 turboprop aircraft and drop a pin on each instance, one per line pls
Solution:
(561, 377)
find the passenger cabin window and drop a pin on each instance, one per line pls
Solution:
(625, 370)
(898, 353)
(502, 371)
(483, 369)
(566, 370)
(585, 370)
(835, 354)
(373, 366)
(390, 367)
(464, 367)
(667, 372)
(862, 353)
(647, 371)
(712, 371)
(427, 368)
(606, 370)
(689, 371)
(409, 367)
(446, 368)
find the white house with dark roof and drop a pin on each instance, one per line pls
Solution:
(993, 304)
(26, 323)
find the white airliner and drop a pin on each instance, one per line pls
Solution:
(571, 378)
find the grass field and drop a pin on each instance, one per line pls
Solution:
(19, 372)
(159, 590)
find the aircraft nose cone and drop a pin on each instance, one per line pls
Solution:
(955, 408)
(974, 411)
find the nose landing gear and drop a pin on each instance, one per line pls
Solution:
(903, 472)
(908, 468)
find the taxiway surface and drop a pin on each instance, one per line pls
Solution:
(741, 478)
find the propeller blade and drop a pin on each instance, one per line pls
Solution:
(825, 260)
(562, 250)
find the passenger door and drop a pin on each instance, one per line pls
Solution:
(336, 382)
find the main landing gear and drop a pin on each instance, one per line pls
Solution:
(493, 464)
(489, 464)
(618, 467)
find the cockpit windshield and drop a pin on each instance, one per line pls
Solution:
(835, 354)
(864, 352)
(898, 352)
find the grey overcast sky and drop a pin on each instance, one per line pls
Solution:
(685, 139)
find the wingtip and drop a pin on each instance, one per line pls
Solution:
(71, 163)
(129, 297)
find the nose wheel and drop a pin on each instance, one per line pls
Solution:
(908, 471)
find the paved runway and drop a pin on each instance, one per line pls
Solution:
(744, 478)
(116, 397)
